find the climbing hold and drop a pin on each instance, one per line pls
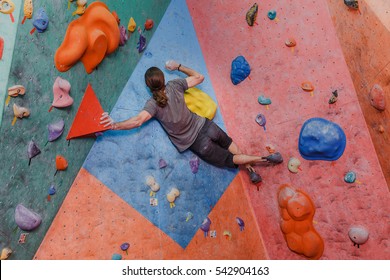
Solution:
(227, 234)
(205, 226)
(148, 24)
(308, 86)
(350, 177)
(251, 15)
(7, 7)
(162, 163)
(26, 219)
(141, 45)
(333, 98)
(131, 25)
(240, 70)
(20, 112)
(274, 158)
(41, 20)
(263, 100)
(352, 4)
(89, 38)
(189, 216)
(5, 253)
(86, 123)
(200, 103)
(125, 246)
(55, 130)
(116, 257)
(81, 6)
(321, 139)
(261, 120)
(297, 211)
(61, 89)
(1, 47)
(14, 91)
(358, 235)
(377, 97)
(171, 196)
(52, 190)
(290, 42)
(123, 34)
(32, 151)
(28, 9)
(194, 164)
(381, 129)
(294, 164)
(271, 14)
(61, 163)
(153, 185)
(240, 223)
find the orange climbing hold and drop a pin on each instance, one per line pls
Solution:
(87, 120)
(297, 211)
(89, 38)
(61, 163)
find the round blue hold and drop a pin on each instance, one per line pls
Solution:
(52, 190)
(271, 14)
(321, 139)
(350, 177)
(240, 70)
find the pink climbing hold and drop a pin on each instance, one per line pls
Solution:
(377, 98)
(62, 99)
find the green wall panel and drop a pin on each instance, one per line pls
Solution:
(33, 67)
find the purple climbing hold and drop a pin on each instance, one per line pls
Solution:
(26, 219)
(32, 150)
(194, 164)
(55, 130)
(240, 70)
(162, 163)
(123, 35)
(261, 120)
(205, 226)
(125, 246)
(240, 223)
(141, 45)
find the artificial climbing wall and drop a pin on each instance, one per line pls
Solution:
(33, 67)
(364, 37)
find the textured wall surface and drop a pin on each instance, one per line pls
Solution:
(33, 67)
(364, 38)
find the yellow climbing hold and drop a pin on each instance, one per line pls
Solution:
(132, 25)
(200, 103)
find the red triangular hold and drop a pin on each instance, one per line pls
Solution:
(87, 120)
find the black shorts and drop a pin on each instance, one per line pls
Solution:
(212, 145)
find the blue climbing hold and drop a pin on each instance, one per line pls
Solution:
(350, 177)
(41, 20)
(240, 70)
(321, 139)
(271, 14)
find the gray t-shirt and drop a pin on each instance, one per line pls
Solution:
(181, 125)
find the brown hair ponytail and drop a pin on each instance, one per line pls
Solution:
(154, 79)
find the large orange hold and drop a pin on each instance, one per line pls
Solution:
(87, 120)
(297, 211)
(89, 38)
(61, 163)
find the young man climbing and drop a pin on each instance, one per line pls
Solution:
(185, 129)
